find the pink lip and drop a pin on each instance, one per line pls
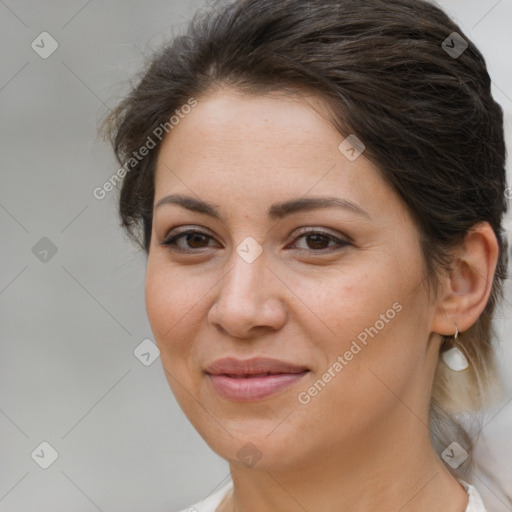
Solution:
(252, 379)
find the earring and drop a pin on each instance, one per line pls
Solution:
(454, 358)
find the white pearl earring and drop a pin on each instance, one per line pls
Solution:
(454, 357)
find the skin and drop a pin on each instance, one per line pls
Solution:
(362, 443)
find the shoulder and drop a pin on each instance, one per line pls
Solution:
(210, 503)
(475, 503)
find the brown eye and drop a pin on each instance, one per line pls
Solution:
(188, 241)
(317, 241)
(196, 240)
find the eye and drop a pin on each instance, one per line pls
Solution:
(317, 241)
(191, 240)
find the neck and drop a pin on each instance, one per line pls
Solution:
(385, 470)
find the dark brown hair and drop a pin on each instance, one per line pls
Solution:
(427, 118)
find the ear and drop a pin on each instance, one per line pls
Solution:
(467, 288)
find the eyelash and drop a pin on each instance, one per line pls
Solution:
(171, 241)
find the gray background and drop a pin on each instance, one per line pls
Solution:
(69, 326)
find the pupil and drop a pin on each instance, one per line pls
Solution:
(192, 238)
(318, 240)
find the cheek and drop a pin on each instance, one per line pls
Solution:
(159, 296)
(373, 317)
(383, 352)
(172, 309)
(169, 305)
(340, 304)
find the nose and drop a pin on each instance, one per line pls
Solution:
(250, 299)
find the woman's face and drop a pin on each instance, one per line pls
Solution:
(334, 293)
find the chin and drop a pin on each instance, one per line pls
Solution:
(255, 448)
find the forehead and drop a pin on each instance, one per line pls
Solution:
(244, 125)
(238, 148)
(233, 132)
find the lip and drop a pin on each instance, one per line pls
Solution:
(252, 379)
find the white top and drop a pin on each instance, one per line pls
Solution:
(213, 501)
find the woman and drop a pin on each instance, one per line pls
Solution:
(319, 187)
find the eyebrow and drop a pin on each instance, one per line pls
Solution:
(276, 210)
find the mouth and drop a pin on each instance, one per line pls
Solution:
(252, 379)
